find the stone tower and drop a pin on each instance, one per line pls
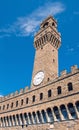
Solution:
(46, 42)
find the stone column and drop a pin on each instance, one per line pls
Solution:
(54, 116)
(68, 112)
(42, 117)
(37, 119)
(60, 113)
(77, 113)
(28, 119)
(47, 117)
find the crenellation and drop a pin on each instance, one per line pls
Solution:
(74, 69)
(21, 91)
(63, 73)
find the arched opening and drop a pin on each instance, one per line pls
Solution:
(26, 118)
(64, 112)
(21, 118)
(14, 120)
(30, 118)
(45, 25)
(44, 116)
(16, 103)
(18, 120)
(49, 93)
(56, 111)
(41, 96)
(11, 123)
(34, 117)
(22, 101)
(72, 110)
(70, 86)
(59, 91)
(50, 116)
(77, 105)
(39, 117)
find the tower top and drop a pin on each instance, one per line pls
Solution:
(48, 33)
(49, 21)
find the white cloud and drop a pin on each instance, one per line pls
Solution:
(1, 95)
(28, 25)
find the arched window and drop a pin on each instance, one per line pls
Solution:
(41, 96)
(7, 106)
(0, 107)
(33, 98)
(50, 116)
(57, 114)
(22, 101)
(77, 105)
(45, 25)
(70, 87)
(64, 111)
(49, 93)
(59, 90)
(12, 105)
(3, 107)
(27, 100)
(72, 110)
(16, 103)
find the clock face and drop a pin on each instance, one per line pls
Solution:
(38, 78)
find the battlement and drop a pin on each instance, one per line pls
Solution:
(63, 74)
(16, 93)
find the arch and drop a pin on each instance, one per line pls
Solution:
(26, 118)
(45, 25)
(59, 91)
(50, 116)
(21, 118)
(16, 103)
(22, 101)
(27, 99)
(44, 116)
(49, 93)
(12, 105)
(14, 120)
(18, 120)
(33, 98)
(39, 117)
(41, 96)
(64, 112)
(30, 118)
(72, 110)
(34, 117)
(70, 86)
(77, 105)
(56, 111)
(11, 123)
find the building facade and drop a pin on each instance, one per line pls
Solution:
(52, 102)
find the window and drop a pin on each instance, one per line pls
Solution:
(49, 93)
(0, 107)
(3, 107)
(59, 90)
(41, 96)
(16, 103)
(7, 106)
(12, 105)
(27, 100)
(70, 87)
(22, 102)
(33, 98)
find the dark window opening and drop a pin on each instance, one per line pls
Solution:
(27, 100)
(59, 90)
(33, 98)
(70, 87)
(41, 96)
(49, 93)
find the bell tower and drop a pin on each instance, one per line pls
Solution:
(46, 42)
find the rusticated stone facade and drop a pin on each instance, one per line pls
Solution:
(52, 102)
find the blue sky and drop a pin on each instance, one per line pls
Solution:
(19, 21)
